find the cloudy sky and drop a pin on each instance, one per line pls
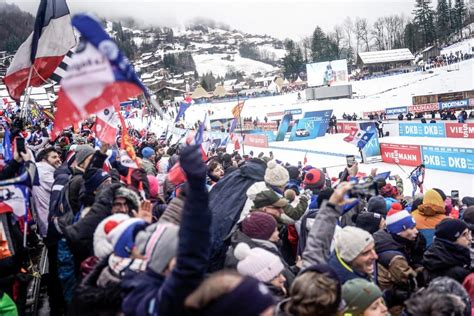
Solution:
(293, 19)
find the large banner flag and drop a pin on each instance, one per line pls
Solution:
(128, 157)
(237, 109)
(99, 75)
(43, 50)
(358, 137)
(106, 124)
(182, 108)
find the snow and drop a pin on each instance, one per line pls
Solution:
(464, 46)
(279, 53)
(213, 63)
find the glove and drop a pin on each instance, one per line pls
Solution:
(191, 162)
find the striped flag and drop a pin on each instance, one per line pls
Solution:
(237, 109)
(45, 48)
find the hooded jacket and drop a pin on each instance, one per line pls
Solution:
(42, 194)
(429, 214)
(445, 258)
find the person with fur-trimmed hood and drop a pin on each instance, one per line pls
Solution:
(430, 213)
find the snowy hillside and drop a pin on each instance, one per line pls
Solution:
(218, 66)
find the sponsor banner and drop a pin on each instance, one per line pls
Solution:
(422, 130)
(408, 155)
(372, 149)
(471, 102)
(256, 140)
(396, 110)
(294, 111)
(271, 126)
(460, 130)
(312, 125)
(366, 114)
(428, 107)
(453, 104)
(346, 127)
(284, 128)
(449, 158)
(276, 113)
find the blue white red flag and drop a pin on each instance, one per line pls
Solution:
(358, 137)
(98, 75)
(43, 50)
(182, 108)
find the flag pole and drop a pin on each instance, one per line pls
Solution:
(27, 95)
(241, 126)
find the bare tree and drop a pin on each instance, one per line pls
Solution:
(378, 34)
(337, 37)
(306, 48)
(348, 28)
(361, 30)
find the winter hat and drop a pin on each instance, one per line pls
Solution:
(314, 179)
(269, 198)
(433, 197)
(257, 262)
(468, 217)
(276, 175)
(153, 182)
(450, 229)
(293, 172)
(122, 237)
(359, 294)
(95, 180)
(467, 200)
(82, 152)
(147, 152)
(441, 193)
(102, 245)
(369, 222)
(250, 297)
(290, 195)
(389, 190)
(416, 202)
(351, 241)
(259, 225)
(159, 244)
(399, 220)
(173, 211)
(377, 205)
(130, 196)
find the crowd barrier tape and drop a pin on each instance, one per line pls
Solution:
(448, 158)
(408, 155)
(422, 130)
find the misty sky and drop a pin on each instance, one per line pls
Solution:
(282, 19)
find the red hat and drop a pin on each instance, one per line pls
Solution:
(389, 191)
(314, 178)
(259, 225)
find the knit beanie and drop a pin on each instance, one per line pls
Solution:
(441, 193)
(154, 185)
(468, 217)
(147, 152)
(102, 245)
(293, 172)
(82, 152)
(159, 243)
(450, 229)
(467, 200)
(351, 241)
(359, 294)
(95, 180)
(259, 225)
(122, 237)
(369, 222)
(416, 202)
(276, 175)
(314, 179)
(257, 262)
(377, 205)
(399, 220)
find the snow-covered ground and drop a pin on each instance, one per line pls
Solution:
(214, 63)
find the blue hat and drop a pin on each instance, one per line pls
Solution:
(147, 152)
(122, 237)
(399, 220)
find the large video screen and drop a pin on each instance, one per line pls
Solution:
(327, 73)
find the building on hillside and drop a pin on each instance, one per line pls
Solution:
(169, 93)
(431, 52)
(385, 60)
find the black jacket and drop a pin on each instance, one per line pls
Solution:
(226, 201)
(445, 258)
(388, 245)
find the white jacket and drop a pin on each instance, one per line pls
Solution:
(42, 194)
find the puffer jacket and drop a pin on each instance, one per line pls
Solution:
(429, 214)
(445, 258)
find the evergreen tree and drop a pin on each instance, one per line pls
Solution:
(293, 62)
(318, 44)
(442, 20)
(424, 21)
(410, 37)
(459, 14)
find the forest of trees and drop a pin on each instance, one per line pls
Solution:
(15, 26)
(428, 26)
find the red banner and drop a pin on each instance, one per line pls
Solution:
(276, 113)
(428, 107)
(460, 130)
(256, 140)
(408, 155)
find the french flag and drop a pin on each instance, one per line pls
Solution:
(106, 125)
(42, 52)
(99, 75)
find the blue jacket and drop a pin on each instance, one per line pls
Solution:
(153, 294)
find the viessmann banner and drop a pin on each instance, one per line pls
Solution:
(408, 155)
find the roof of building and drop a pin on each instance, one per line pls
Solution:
(386, 56)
